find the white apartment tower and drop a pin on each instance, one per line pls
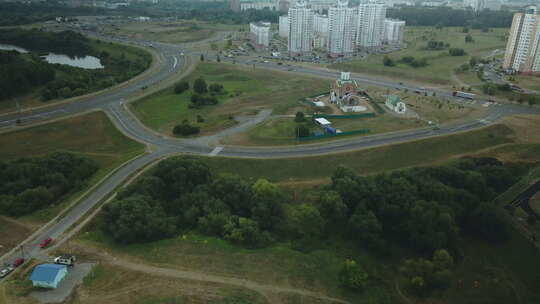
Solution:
(522, 48)
(301, 28)
(341, 29)
(476, 5)
(370, 24)
(260, 33)
(320, 24)
(393, 31)
(284, 26)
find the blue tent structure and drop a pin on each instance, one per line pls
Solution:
(48, 275)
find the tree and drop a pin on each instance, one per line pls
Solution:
(136, 219)
(235, 192)
(469, 38)
(202, 57)
(307, 222)
(456, 52)
(332, 207)
(442, 260)
(491, 222)
(246, 232)
(267, 200)
(387, 61)
(299, 117)
(302, 131)
(200, 86)
(216, 88)
(185, 129)
(352, 275)
(181, 87)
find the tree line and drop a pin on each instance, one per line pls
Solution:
(34, 183)
(19, 72)
(445, 16)
(65, 42)
(425, 209)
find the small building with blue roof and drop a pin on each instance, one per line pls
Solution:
(48, 275)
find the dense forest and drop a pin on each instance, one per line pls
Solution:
(18, 73)
(22, 73)
(445, 16)
(30, 184)
(424, 209)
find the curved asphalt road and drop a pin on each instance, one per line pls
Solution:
(172, 63)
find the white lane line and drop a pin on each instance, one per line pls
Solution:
(215, 151)
(175, 63)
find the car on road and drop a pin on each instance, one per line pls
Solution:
(45, 243)
(18, 262)
(5, 271)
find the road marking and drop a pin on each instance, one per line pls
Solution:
(215, 151)
(175, 63)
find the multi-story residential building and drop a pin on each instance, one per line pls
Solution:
(321, 5)
(301, 28)
(320, 24)
(370, 24)
(393, 31)
(341, 29)
(522, 48)
(258, 4)
(283, 26)
(260, 34)
(476, 5)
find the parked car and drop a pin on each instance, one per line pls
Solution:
(18, 262)
(65, 259)
(5, 271)
(45, 242)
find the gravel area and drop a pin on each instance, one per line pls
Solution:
(74, 277)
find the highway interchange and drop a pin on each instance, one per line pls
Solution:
(171, 63)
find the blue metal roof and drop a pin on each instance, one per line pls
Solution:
(46, 272)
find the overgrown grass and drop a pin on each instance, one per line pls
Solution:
(367, 161)
(441, 64)
(92, 135)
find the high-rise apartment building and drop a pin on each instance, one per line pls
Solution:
(301, 28)
(283, 26)
(260, 34)
(393, 31)
(341, 29)
(476, 5)
(370, 24)
(320, 24)
(522, 48)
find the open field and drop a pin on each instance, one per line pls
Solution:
(527, 82)
(92, 135)
(11, 233)
(281, 131)
(176, 32)
(440, 64)
(247, 92)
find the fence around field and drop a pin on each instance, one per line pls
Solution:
(362, 131)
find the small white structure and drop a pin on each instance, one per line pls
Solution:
(395, 104)
(318, 103)
(323, 122)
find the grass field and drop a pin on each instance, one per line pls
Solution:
(11, 233)
(441, 64)
(176, 32)
(527, 82)
(248, 91)
(92, 135)
(368, 161)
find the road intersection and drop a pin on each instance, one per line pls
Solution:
(172, 63)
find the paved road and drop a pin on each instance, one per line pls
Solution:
(172, 63)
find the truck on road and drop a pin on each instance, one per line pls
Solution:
(463, 95)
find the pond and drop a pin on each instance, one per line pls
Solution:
(86, 62)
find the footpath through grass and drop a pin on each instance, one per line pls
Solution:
(248, 91)
(367, 161)
(440, 66)
(92, 135)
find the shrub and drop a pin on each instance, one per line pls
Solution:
(387, 61)
(186, 129)
(352, 275)
(181, 87)
(456, 52)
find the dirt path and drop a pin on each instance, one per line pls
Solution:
(198, 276)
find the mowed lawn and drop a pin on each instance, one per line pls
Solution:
(441, 65)
(92, 135)
(247, 92)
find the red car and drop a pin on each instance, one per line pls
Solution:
(45, 242)
(18, 262)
